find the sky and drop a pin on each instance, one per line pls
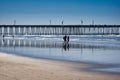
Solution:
(39, 12)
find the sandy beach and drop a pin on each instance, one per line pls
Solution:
(14, 67)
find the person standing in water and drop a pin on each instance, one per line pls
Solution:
(65, 38)
(68, 38)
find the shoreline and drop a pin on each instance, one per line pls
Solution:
(95, 66)
(14, 67)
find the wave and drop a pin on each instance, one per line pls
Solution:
(82, 39)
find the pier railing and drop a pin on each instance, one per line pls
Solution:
(14, 30)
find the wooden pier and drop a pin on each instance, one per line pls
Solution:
(16, 30)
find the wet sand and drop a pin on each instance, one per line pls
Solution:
(14, 67)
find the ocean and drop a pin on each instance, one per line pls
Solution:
(104, 50)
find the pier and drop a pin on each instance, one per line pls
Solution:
(21, 30)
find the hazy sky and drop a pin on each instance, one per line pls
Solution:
(71, 11)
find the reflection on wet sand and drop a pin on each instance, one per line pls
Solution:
(46, 44)
(66, 46)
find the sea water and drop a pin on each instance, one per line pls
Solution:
(92, 49)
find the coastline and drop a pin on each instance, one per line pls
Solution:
(13, 67)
